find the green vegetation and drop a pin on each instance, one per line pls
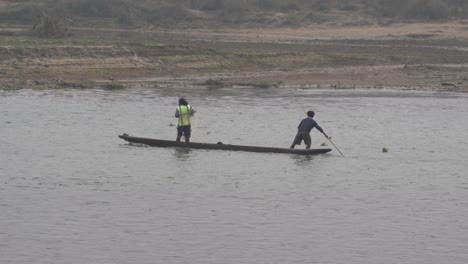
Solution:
(228, 12)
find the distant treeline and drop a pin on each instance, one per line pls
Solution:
(170, 12)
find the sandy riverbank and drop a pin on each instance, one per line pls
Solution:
(407, 56)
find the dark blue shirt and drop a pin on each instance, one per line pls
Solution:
(308, 124)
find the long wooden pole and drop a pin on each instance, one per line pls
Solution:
(335, 146)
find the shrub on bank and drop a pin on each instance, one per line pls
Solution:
(427, 10)
(50, 26)
(419, 9)
(21, 14)
(170, 12)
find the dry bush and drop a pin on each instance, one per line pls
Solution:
(50, 26)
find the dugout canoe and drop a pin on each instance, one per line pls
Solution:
(219, 146)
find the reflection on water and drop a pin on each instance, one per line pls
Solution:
(303, 160)
(182, 154)
(71, 191)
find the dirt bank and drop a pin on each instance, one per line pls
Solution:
(415, 56)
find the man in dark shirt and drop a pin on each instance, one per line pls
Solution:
(304, 128)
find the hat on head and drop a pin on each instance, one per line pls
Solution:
(182, 101)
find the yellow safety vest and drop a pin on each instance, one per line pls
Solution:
(184, 115)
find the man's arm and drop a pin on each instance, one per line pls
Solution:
(326, 135)
(321, 130)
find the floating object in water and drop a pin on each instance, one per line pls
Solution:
(323, 144)
(171, 124)
(449, 84)
(384, 150)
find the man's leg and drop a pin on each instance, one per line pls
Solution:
(307, 141)
(297, 140)
(179, 134)
(187, 133)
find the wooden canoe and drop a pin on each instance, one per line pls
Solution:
(220, 146)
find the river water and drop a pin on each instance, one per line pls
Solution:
(72, 192)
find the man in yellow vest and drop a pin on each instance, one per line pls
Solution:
(184, 112)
